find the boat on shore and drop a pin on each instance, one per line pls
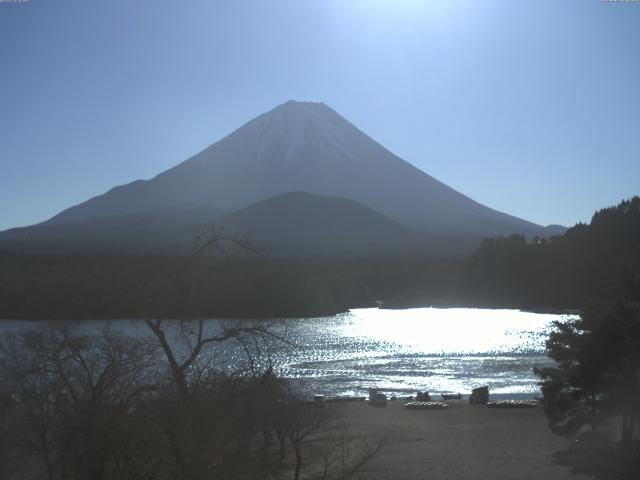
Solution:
(451, 396)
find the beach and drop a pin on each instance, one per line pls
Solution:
(461, 442)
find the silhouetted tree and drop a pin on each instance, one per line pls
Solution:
(598, 370)
(72, 395)
(86, 406)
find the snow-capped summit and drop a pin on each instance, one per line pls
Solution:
(300, 126)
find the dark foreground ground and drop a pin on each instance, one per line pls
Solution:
(462, 442)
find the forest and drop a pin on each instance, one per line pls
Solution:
(590, 261)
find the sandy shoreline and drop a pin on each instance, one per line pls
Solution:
(462, 442)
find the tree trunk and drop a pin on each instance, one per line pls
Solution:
(45, 452)
(176, 372)
(593, 412)
(282, 438)
(174, 447)
(296, 475)
(625, 426)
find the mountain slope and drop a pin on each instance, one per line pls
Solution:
(303, 146)
(294, 224)
(136, 232)
(302, 224)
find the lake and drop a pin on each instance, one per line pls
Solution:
(441, 350)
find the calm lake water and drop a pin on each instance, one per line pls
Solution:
(401, 351)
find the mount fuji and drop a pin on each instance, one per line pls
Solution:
(296, 147)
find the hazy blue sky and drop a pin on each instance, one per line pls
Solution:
(530, 107)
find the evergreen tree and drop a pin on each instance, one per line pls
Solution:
(597, 375)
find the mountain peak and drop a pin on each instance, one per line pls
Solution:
(304, 146)
(296, 131)
(301, 109)
(301, 104)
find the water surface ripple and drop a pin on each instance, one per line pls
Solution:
(441, 350)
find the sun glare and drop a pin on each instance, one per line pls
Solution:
(394, 9)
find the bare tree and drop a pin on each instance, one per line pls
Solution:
(192, 333)
(321, 444)
(192, 340)
(251, 397)
(71, 390)
(196, 400)
(345, 455)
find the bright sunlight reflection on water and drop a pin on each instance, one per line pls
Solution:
(400, 351)
(457, 330)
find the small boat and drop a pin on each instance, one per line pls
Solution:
(452, 396)
(423, 397)
(377, 399)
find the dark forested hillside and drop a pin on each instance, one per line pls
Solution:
(587, 262)
(36, 286)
